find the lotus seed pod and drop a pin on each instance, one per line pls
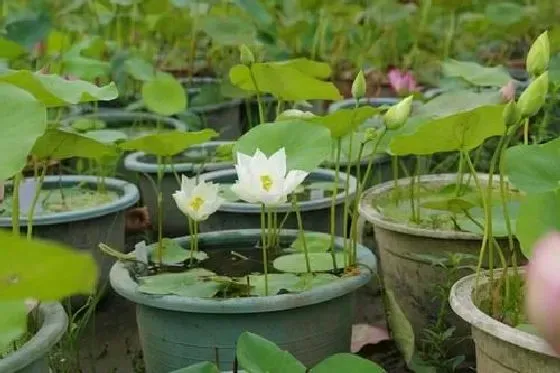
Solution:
(533, 98)
(359, 86)
(538, 56)
(398, 114)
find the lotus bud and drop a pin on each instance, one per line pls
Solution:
(507, 92)
(533, 98)
(538, 56)
(359, 86)
(371, 134)
(511, 114)
(398, 114)
(245, 55)
(542, 283)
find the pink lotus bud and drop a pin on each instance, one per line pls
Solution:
(508, 91)
(543, 289)
(402, 82)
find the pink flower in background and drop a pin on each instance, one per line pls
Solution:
(543, 289)
(402, 82)
(508, 91)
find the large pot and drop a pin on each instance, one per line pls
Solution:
(119, 119)
(224, 117)
(405, 253)
(33, 356)
(145, 166)
(84, 229)
(499, 347)
(315, 213)
(179, 331)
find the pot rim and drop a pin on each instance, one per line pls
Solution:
(254, 208)
(128, 196)
(132, 162)
(53, 327)
(120, 114)
(124, 285)
(372, 215)
(460, 299)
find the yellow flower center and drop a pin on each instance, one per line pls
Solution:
(266, 182)
(196, 203)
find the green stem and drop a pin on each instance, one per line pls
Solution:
(31, 211)
(460, 172)
(396, 189)
(333, 199)
(264, 248)
(259, 100)
(15, 203)
(526, 132)
(160, 169)
(346, 201)
(191, 243)
(300, 227)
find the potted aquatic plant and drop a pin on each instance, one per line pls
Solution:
(256, 354)
(492, 301)
(268, 280)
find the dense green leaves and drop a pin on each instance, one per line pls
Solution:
(54, 91)
(462, 131)
(43, 270)
(24, 119)
(258, 355)
(10, 49)
(344, 121)
(534, 168)
(59, 144)
(344, 362)
(169, 143)
(228, 30)
(164, 95)
(307, 145)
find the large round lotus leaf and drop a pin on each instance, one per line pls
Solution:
(320, 262)
(164, 95)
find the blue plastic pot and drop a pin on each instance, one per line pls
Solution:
(316, 214)
(176, 331)
(85, 229)
(33, 356)
(174, 223)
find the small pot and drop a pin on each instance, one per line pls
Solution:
(85, 229)
(499, 347)
(402, 250)
(174, 223)
(33, 356)
(315, 213)
(115, 119)
(224, 117)
(176, 331)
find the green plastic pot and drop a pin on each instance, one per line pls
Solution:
(316, 214)
(223, 117)
(85, 229)
(176, 331)
(174, 221)
(500, 348)
(33, 356)
(117, 118)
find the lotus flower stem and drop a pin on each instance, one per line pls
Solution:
(264, 248)
(31, 211)
(300, 227)
(526, 132)
(346, 201)
(333, 199)
(161, 165)
(15, 203)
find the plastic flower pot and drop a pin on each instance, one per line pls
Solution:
(33, 356)
(176, 331)
(223, 117)
(404, 251)
(126, 121)
(145, 166)
(500, 348)
(315, 212)
(84, 229)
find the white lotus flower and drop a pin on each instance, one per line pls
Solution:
(265, 180)
(198, 201)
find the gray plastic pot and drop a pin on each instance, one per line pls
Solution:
(174, 223)
(85, 229)
(116, 118)
(176, 331)
(499, 347)
(407, 274)
(315, 213)
(224, 117)
(33, 356)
